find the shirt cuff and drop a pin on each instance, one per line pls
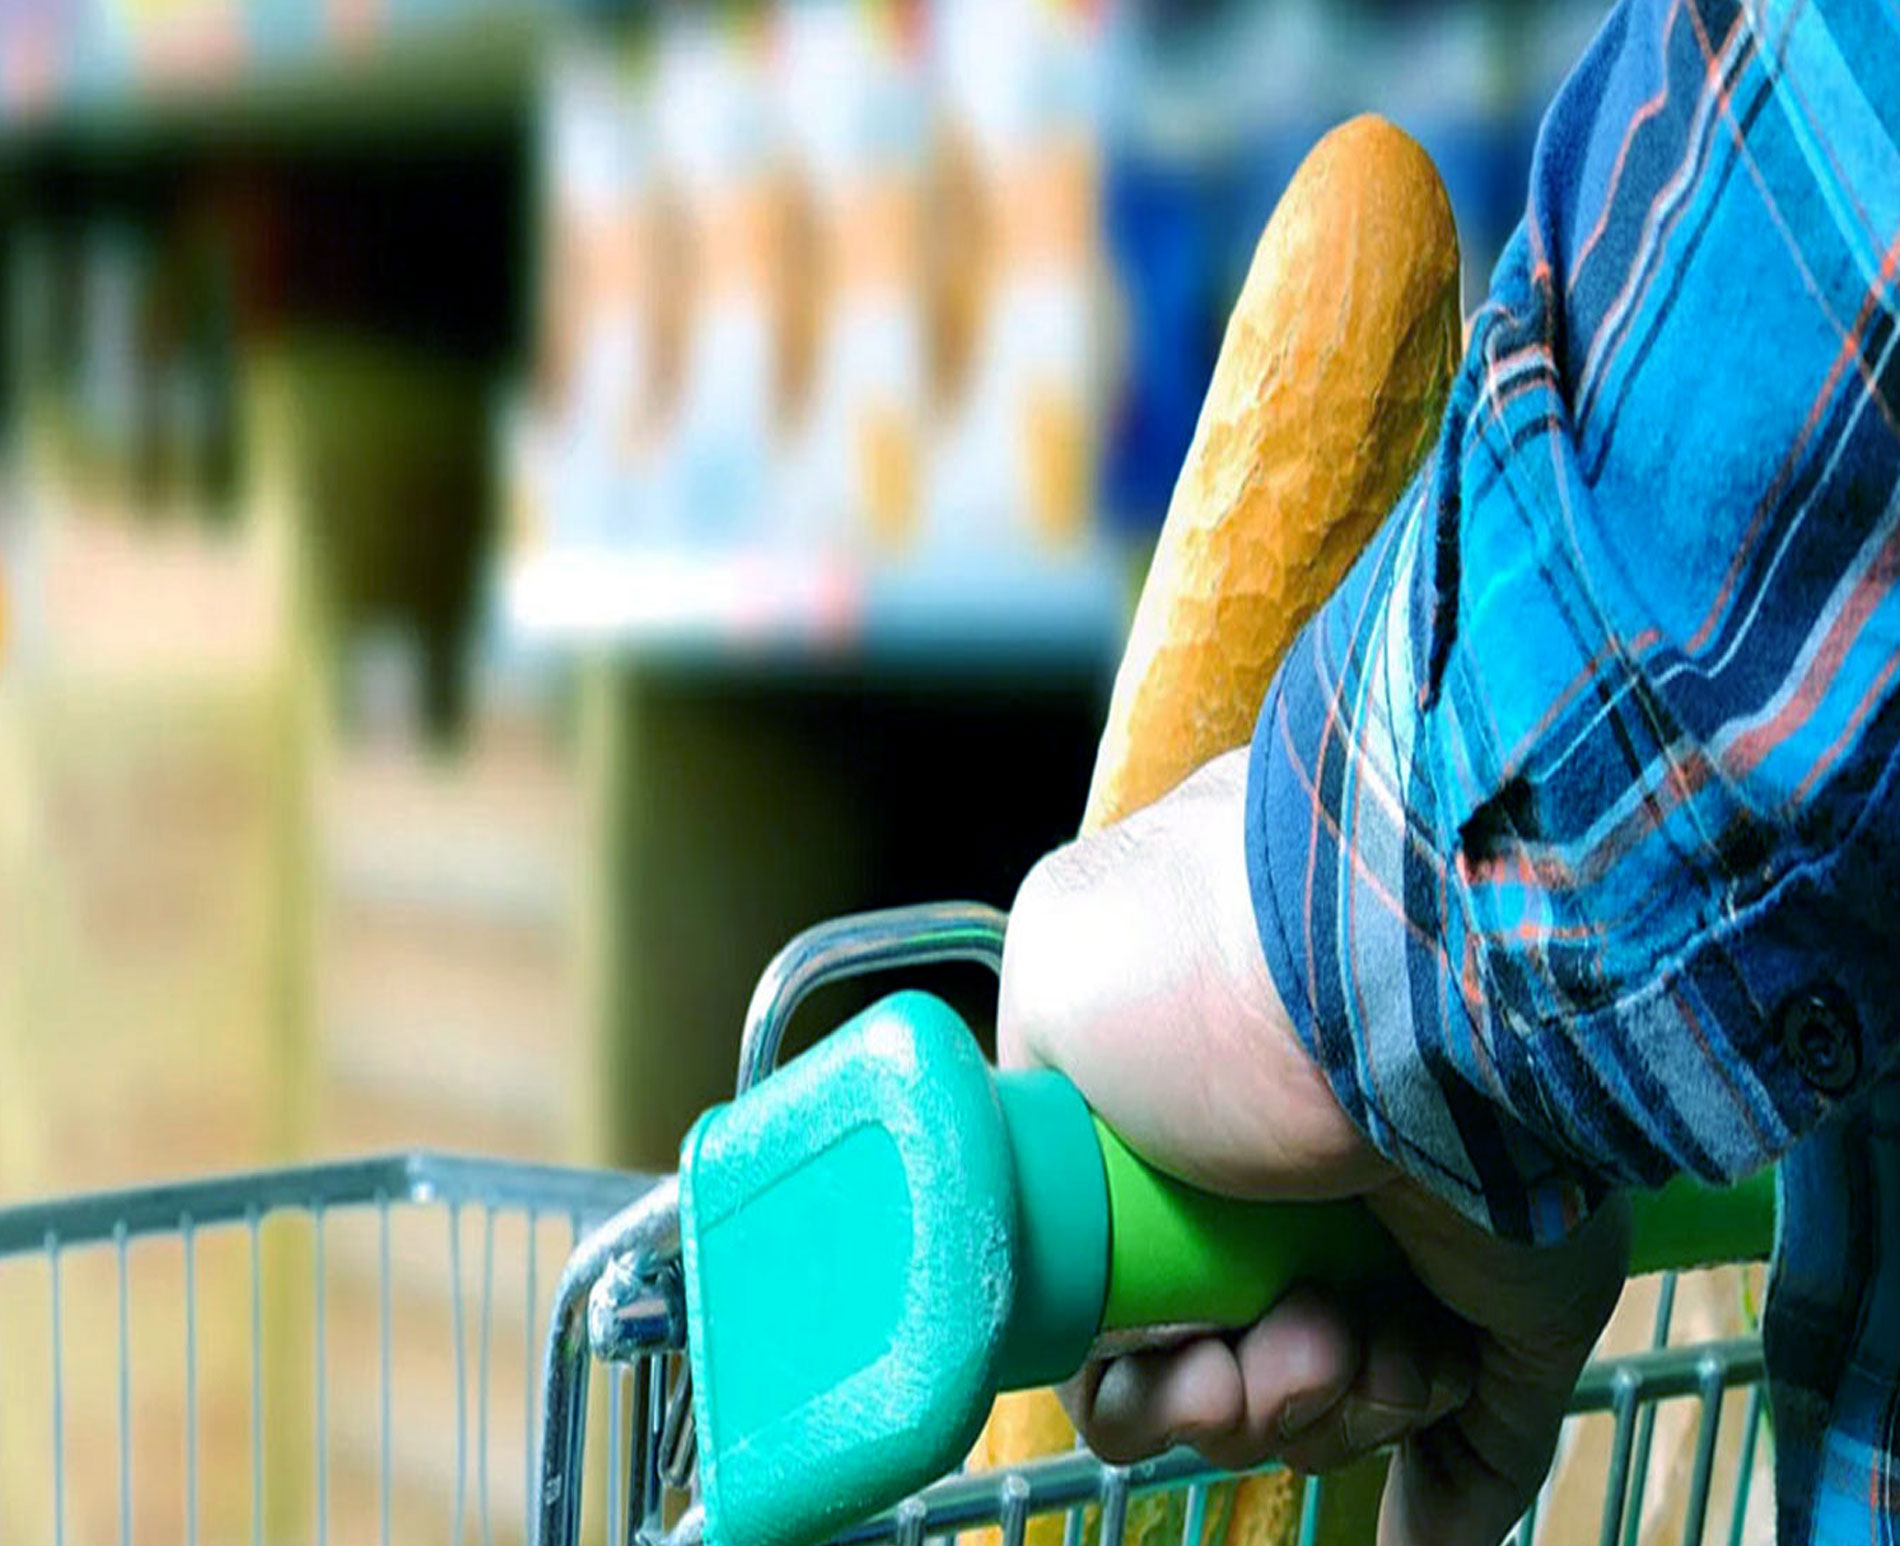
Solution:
(1347, 867)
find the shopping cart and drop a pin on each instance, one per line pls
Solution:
(242, 1359)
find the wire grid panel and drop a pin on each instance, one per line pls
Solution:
(1673, 1440)
(344, 1352)
(1714, 1389)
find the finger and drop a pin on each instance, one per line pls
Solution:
(1419, 1367)
(1295, 1366)
(1416, 1369)
(1077, 1394)
(1143, 1403)
(1469, 1478)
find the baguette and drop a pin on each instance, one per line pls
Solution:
(1325, 397)
(1327, 392)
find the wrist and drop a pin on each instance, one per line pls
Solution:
(1132, 966)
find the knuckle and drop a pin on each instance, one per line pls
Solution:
(1316, 1453)
(1025, 1005)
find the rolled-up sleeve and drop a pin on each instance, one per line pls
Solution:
(1573, 818)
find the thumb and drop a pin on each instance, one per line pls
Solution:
(1466, 1480)
(1443, 1490)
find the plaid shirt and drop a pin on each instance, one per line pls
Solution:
(1574, 817)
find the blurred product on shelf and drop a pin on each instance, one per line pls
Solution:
(1014, 461)
(122, 354)
(873, 285)
(851, 383)
(716, 140)
(379, 446)
(885, 306)
(597, 314)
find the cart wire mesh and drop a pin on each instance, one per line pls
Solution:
(83, 1462)
(332, 1352)
(1721, 1380)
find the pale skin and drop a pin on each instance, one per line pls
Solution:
(1133, 965)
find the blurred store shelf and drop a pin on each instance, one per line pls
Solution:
(445, 912)
(487, 885)
(103, 68)
(949, 610)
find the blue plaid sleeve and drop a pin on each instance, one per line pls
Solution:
(1574, 817)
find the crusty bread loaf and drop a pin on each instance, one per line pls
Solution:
(1326, 394)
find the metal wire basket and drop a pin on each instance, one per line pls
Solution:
(356, 1352)
(337, 1352)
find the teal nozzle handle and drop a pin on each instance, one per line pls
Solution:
(886, 1232)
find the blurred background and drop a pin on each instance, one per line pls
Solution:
(509, 509)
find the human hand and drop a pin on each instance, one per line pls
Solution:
(1132, 965)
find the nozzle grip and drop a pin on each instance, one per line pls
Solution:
(1180, 1255)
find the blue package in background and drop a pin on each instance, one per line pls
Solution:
(1213, 106)
(1162, 237)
